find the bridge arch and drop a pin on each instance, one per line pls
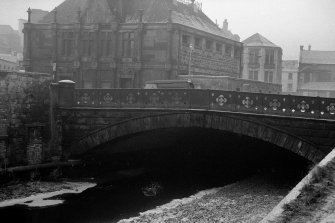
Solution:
(212, 120)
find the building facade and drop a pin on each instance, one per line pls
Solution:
(36, 16)
(316, 75)
(290, 76)
(9, 40)
(8, 66)
(262, 60)
(124, 43)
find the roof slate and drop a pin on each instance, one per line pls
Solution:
(317, 57)
(290, 64)
(154, 11)
(258, 40)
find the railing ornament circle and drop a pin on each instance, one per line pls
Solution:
(108, 98)
(303, 106)
(221, 100)
(154, 98)
(331, 108)
(275, 104)
(247, 102)
(85, 98)
(131, 98)
(177, 99)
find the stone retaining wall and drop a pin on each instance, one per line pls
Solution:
(24, 99)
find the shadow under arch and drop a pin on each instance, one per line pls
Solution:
(210, 120)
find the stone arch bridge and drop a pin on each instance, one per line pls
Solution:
(85, 118)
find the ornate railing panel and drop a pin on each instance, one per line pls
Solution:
(284, 105)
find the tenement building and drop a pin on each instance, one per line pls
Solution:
(124, 43)
(316, 73)
(290, 76)
(262, 60)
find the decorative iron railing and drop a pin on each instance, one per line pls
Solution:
(259, 103)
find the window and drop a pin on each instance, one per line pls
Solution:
(106, 44)
(67, 43)
(106, 79)
(253, 75)
(290, 76)
(186, 39)
(218, 48)
(87, 44)
(268, 76)
(269, 56)
(253, 56)
(307, 77)
(237, 52)
(289, 87)
(228, 50)
(209, 45)
(89, 79)
(128, 44)
(198, 43)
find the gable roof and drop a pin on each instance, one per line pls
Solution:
(258, 40)
(154, 11)
(317, 57)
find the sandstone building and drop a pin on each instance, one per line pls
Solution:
(290, 76)
(316, 73)
(124, 43)
(9, 40)
(262, 60)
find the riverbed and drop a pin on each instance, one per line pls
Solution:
(246, 200)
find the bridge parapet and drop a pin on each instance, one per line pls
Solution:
(188, 99)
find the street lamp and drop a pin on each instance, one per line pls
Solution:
(190, 59)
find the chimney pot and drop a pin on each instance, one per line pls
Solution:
(309, 47)
(301, 48)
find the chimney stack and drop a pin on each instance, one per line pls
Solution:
(301, 48)
(140, 15)
(225, 25)
(309, 47)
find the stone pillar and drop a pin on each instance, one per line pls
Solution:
(27, 43)
(3, 151)
(35, 144)
(170, 48)
(138, 75)
(77, 52)
(55, 46)
(66, 93)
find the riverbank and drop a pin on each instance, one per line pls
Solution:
(247, 201)
(38, 193)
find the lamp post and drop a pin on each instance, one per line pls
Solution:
(190, 59)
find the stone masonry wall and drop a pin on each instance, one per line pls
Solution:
(24, 100)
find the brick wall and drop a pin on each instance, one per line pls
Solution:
(24, 99)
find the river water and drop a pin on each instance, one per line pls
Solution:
(113, 201)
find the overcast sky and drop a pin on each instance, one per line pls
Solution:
(287, 23)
